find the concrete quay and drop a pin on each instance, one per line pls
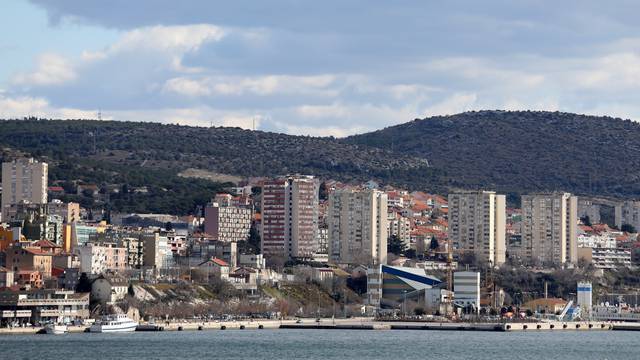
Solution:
(460, 326)
(363, 324)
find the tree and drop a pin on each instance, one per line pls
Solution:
(84, 284)
(395, 245)
(585, 220)
(323, 192)
(168, 226)
(628, 228)
(252, 244)
(434, 245)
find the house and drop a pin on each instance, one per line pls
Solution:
(55, 190)
(88, 189)
(28, 258)
(215, 266)
(245, 278)
(48, 246)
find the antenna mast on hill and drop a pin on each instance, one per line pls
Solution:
(99, 115)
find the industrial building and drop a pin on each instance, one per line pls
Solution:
(391, 286)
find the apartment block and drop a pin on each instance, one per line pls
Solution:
(358, 226)
(23, 180)
(290, 217)
(399, 226)
(157, 251)
(549, 229)
(225, 222)
(627, 213)
(477, 224)
(99, 258)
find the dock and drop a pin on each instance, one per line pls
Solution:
(364, 324)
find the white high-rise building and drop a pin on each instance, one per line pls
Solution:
(549, 228)
(290, 217)
(477, 224)
(358, 228)
(24, 180)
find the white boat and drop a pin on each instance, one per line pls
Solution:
(114, 323)
(56, 329)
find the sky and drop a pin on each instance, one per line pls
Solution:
(320, 68)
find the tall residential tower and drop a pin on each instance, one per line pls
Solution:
(477, 224)
(290, 217)
(23, 180)
(358, 226)
(549, 228)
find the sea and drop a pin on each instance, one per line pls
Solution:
(325, 344)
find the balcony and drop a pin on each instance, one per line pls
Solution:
(17, 313)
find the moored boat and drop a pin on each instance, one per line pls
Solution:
(56, 329)
(114, 323)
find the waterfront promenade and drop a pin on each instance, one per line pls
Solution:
(362, 324)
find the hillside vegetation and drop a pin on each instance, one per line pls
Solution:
(523, 151)
(134, 154)
(511, 152)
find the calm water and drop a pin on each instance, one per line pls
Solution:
(324, 344)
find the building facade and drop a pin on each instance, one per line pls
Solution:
(627, 213)
(100, 258)
(357, 220)
(24, 180)
(549, 229)
(477, 224)
(226, 222)
(290, 217)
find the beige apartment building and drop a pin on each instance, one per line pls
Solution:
(290, 217)
(103, 257)
(549, 229)
(23, 180)
(226, 222)
(358, 226)
(477, 225)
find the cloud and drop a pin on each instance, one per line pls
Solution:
(332, 68)
(24, 106)
(262, 85)
(51, 69)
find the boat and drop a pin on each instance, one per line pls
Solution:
(114, 323)
(56, 329)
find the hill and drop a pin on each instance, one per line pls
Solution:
(523, 151)
(511, 152)
(134, 154)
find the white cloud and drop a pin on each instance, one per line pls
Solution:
(19, 107)
(51, 69)
(621, 70)
(194, 116)
(169, 39)
(259, 85)
(454, 104)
